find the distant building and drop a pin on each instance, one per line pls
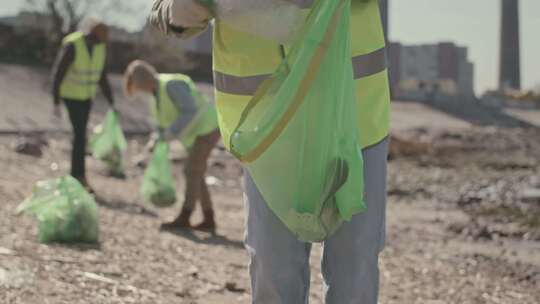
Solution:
(422, 72)
(509, 65)
(32, 21)
(167, 53)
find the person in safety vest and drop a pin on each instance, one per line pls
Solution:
(181, 112)
(80, 67)
(279, 267)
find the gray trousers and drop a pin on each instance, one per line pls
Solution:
(279, 268)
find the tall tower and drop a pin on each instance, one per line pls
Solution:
(509, 65)
(384, 17)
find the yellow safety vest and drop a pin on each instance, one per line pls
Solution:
(242, 61)
(165, 112)
(82, 78)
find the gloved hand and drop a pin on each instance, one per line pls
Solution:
(185, 18)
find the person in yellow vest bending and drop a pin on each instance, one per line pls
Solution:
(181, 112)
(79, 69)
(279, 265)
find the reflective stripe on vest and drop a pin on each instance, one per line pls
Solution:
(363, 66)
(82, 77)
(243, 61)
(369, 64)
(238, 85)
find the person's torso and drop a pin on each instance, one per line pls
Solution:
(166, 111)
(83, 75)
(242, 61)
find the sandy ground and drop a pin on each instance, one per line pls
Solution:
(530, 116)
(459, 227)
(458, 231)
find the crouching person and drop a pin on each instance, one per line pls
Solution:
(181, 112)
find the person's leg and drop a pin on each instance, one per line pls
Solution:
(208, 223)
(351, 255)
(79, 112)
(194, 172)
(279, 266)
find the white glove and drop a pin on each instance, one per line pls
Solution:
(183, 18)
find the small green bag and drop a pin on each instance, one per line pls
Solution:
(158, 185)
(108, 143)
(66, 212)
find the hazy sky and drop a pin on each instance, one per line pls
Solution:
(472, 23)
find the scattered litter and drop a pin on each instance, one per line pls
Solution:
(11, 277)
(31, 146)
(531, 195)
(96, 277)
(5, 251)
(233, 287)
(213, 181)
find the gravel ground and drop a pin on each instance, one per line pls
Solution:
(459, 230)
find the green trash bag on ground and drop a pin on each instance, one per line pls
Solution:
(298, 136)
(158, 185)
(108, 143)
(66, 212)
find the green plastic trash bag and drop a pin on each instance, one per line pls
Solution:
(108, 143)
(158, 185)
(298, 136)
(66, 212)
